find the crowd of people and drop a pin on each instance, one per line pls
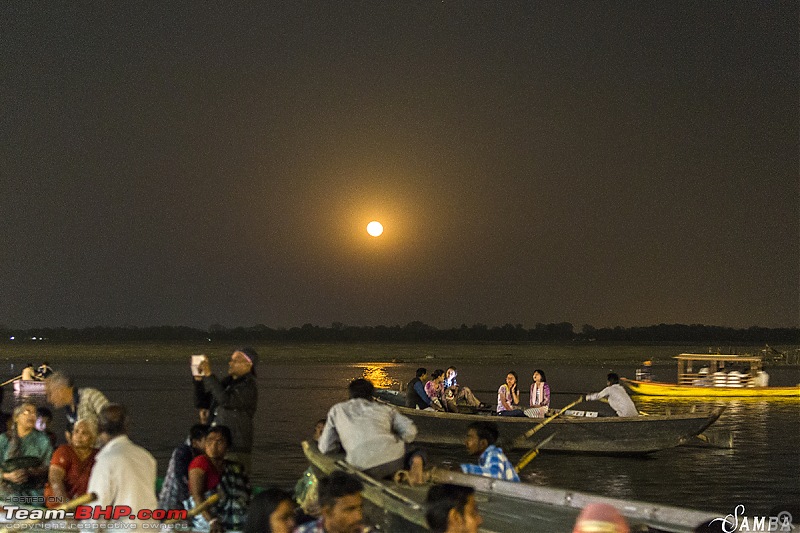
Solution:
(440, 391)
(98, 456)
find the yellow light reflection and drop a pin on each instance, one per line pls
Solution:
(377, 374)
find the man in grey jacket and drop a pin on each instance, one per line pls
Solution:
(233, 401)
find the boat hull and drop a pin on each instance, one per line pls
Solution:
(28, 387)
(503, 505)
(652, 388)
(601, 435)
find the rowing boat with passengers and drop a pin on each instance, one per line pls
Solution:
(570, 432)
(717, 376)
(504, 506)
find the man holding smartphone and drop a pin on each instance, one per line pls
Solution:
(232, 401)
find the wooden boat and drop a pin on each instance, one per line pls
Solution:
(717, 376)
(28, 388)
(504, 506)
(609, 435)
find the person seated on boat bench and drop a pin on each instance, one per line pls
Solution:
(28, 373)
(508, 397)
(452, 509)
(175, 488)
(540, 395)
(25, 455)
(480, 440)
(416, 397)
(374, 435)
(434, 388)
(212, 473)
(342, 506)
(618, 399)
(44, 371)
(71, 465)
(455, 393)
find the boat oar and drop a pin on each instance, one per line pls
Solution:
(531, 455)
(520, 440)
(196, 510)
(69, 506)
(10, 380)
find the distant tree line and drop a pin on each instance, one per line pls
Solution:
(416, 331)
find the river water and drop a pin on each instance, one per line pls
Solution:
(761, 471)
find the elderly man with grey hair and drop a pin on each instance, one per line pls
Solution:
(78, 403)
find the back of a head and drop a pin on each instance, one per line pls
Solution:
(441, 499)
(600, 517)
(198, 431)
(337, 485)
(60, 379)
(113, 420)
(361, 388)
(613, 378)
(485, 430)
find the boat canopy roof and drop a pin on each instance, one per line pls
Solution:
(752, 359)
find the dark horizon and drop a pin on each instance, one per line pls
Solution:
(418, 332)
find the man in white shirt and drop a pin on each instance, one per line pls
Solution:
(124, 474)
(373, 435)
(618, 399)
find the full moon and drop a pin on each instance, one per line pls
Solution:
(375, 228)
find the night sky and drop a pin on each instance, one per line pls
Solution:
(605, 163)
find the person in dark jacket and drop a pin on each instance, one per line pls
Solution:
(415, 391)
(232, 402)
